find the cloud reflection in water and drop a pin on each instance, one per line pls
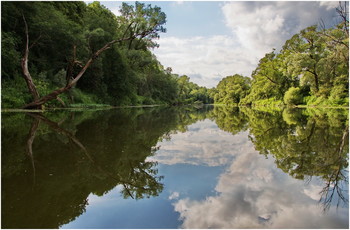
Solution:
(252, 192)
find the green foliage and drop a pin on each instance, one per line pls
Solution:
(14, 94)
(10, 57)
(190, 93)
(232, 89)
(293, 96)
(304, 143)
(86, 105)
(82, 97)
(268, 102)
(311, 69)
(65, 34)
(142, 18)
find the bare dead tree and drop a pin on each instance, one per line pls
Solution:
(39, 101)
(29, 145)
(25, 70)
(54, 94)
(343, 13)
(56, 127)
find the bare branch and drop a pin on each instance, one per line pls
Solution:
(29, 147)
(24, 64)
(55, 93)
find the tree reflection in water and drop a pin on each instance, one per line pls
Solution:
(304, 143)
(49, 171)
(83, 153)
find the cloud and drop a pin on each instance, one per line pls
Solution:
(174, 195)
(256, 28)
(116, 11)
(209, 146)
(204, 58)
(330, 5)
(253, 193)
(313, 192)
(261, 26)
(113, 6)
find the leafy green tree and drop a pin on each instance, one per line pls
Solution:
(315, 60)
(269, 80)
(61, 36)
(232, 89)
(142, 23)
(308, 60)
(189, 92)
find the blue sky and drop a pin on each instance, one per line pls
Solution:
(211, 40)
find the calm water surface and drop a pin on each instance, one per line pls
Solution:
(212, 167)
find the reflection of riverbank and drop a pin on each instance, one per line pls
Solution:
(211, 159)
(55, 163)
(208, 146)
(254, 193)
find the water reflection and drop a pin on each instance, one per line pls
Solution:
(304, 145)
(65, 157)
(253, 193)
(219, 168)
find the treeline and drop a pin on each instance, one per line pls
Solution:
(311, 69)
(62, 38)
(76, 54)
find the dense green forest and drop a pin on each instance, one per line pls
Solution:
(109, 55)
(311, 69)
(73, 54)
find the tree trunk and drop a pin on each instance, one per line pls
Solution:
(25, 71)
(53, 95)
(316, 79)
(39, 101)
(29, 147)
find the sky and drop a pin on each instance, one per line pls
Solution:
(208, 41)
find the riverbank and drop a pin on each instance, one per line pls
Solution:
(106, 107)
(82, 108)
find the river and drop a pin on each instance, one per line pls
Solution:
(178, 167)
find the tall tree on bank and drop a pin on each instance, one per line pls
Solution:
(312, 68)
(151, 20)
(232, 89)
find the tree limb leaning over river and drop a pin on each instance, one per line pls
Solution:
(39, 101)
(128, 185)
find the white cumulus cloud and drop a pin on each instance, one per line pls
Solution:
(256, 28)
(261, 26)
(210, 146)
(253, 193)
(205, 59)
